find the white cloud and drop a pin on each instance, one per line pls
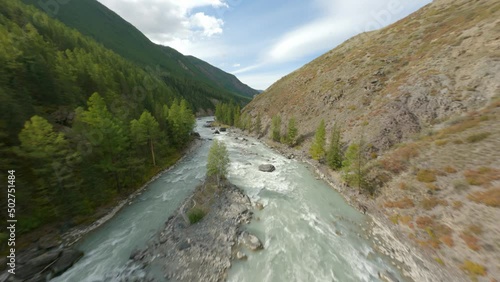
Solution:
(236, 65)
(210, 25)
(171, 22)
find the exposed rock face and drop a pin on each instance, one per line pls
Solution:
(267, 168)
(200, 251)
(38, 264)
(391, 83)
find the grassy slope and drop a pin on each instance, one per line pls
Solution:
(94, 19)
(430, 81)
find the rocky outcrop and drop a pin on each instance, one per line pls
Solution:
(41, 264)
(201, 251)
(267, 168)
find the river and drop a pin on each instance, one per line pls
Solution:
(308, 231)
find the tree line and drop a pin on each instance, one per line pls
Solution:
(350, 161)
(78, 123)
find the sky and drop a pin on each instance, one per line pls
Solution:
(259, 41)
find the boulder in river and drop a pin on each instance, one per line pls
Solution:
(251, 241)
(241, 255)
(66, 260)
(267, 168)
(223, 129)
(216, 132)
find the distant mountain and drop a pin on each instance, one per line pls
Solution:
(421, 97)
(97, 21)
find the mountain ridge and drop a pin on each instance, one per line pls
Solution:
(94, 19)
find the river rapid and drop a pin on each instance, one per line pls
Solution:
(309, 232)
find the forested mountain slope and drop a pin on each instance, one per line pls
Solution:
(95, 20)
(79, 124)
(420, 100)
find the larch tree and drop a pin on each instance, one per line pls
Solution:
(334, 155)
(353, 165)
(145, 131)
(105, 134)
(317, 149)
(276, 128)
(218, 160)
(258, 125)
(46, 151)
(292, 132)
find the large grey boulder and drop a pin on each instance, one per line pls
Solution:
(66, 260)
(251, 241)
(267, 168)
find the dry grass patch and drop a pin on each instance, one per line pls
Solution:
(424, 222)
(404, 203)
(447, 240)
(477, 137)
(441, 142)
(460, 185)
(482, 176)
(490, 198)
(397, 161)
(470, 240)
(432, 202)
(457, 205)
(450, 169)
(473, 269)
(426, 175)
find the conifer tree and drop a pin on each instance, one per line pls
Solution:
(218, 160)
(292, 132)
(334, 155)
(145, 131)
(317, 149)
(276, 128)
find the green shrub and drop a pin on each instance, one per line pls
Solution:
(195, 215)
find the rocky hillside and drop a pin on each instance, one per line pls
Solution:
(424, 93)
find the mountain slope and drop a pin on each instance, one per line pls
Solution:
(424, 93)
(95, 20)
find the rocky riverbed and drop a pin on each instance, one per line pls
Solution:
(202, 251)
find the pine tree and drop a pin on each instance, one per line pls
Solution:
(218, 160)
(145, 131)
(317, 149)
(334, 155)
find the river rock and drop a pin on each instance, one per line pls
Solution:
(259, 206)
(241, 255)
(216, 132)
(66, 260)
(267, 168)
(37, 265)
(251, 241)
(387, 276)
(202, 251)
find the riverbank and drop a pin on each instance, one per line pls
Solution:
(415, 263)
(48, 249)
(201, 251)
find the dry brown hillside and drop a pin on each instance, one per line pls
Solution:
(425, 93)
